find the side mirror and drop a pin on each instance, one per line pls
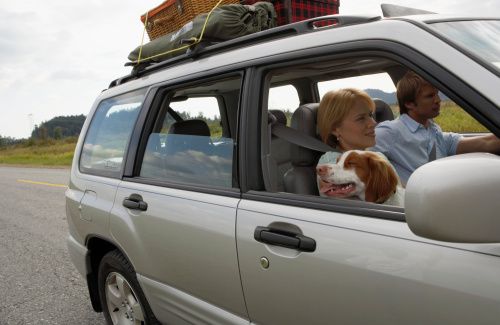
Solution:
(456, 199)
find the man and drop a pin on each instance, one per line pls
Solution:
(414, 139)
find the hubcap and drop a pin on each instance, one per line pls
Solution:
(123, 305)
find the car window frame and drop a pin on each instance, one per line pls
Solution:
(457, 90)
(161, 92)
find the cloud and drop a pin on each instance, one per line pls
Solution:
(17, 35)
(72, 75)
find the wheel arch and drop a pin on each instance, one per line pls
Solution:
(97, 248)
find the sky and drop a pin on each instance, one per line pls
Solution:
(56, 56)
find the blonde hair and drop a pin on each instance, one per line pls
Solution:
(333, 109)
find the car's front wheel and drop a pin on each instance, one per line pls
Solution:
(121, 296)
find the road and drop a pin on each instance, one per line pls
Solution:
(38, 282)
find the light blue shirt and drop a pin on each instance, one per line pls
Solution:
(408, 144)
(329, 157)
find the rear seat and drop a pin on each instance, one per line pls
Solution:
(301, 178)
(383, 111)
(280, 155)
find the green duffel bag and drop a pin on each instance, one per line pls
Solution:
(225, 23)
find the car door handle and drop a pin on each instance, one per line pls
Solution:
(285, 239)
(135, 202)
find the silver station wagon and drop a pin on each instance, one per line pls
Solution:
(193, 197)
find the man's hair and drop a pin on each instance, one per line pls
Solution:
(408, 88)
(333, 109)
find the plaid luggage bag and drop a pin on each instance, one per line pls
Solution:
(291, 11)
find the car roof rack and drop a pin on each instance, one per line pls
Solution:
(202, 48)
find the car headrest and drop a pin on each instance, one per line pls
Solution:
(304, 120)
(383, 111)
(190, 127)
(280, 116)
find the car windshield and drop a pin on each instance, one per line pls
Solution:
(480, 37)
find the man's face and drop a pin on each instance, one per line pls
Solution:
(426, 105)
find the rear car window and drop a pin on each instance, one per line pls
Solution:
(191, 141)
(109, 133)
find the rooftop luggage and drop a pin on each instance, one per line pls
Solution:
(225, 23)
(291, 11)
(171, 15)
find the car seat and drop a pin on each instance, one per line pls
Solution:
(190, 127)
(279, 159)
(301, 177)
(188, 135)
(383, 111)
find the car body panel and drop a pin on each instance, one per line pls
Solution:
(360, 275)
(78, 254)
(173, 306)
(185, 240)
(88, 215)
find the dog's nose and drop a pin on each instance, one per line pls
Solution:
(322, 170)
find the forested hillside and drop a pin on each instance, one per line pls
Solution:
(389, 98)
(59, 127)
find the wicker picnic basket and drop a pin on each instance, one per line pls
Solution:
(171, 15)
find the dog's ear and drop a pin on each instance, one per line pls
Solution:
(382, 180)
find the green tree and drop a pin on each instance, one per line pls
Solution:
(68, 126)
(57, 132)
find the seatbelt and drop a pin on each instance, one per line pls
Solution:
(432, 154)
(302, 140)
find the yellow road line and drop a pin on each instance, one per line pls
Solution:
(41, 183)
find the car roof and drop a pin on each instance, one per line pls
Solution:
(286, 32)
(436, 18)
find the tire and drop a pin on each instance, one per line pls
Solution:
(122, 299)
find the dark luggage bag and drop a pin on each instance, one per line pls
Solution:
(226, 22)
(291, 11)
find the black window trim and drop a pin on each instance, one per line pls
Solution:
(351, 207)
(445, 80)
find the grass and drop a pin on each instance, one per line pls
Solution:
(50, 152)
(452, 118)
(60, 152)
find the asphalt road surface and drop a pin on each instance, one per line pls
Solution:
(38, 282)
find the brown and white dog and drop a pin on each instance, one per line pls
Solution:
(363, 174)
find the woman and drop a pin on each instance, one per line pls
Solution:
(345, 122)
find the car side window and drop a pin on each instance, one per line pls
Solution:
(284, 99)
(452, 117)
(290, 168)
(109, 133)
(191, 140)
(377, 85)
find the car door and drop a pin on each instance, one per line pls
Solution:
(175, 217)
(362, 270)
(305, 259)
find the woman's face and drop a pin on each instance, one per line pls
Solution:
(357, 130)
